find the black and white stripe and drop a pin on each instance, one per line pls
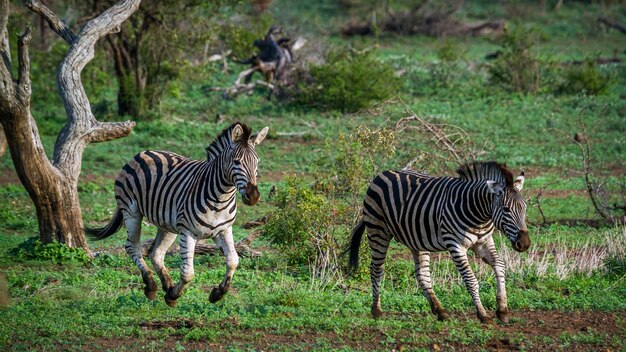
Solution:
(433, 214)
(193, 198)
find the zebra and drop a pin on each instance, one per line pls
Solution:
(193, 198)
(433, 214)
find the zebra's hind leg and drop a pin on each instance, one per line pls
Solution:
(162, 243)
(379, 244)
(133, 249)
(488, 254)
(226, 243)
(422, 274)
(459, 256)
(187, 243)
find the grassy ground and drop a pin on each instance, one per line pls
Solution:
(567, 293)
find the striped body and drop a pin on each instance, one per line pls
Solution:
(433, 214)
(191, 198)
(177, 194)
(428, 213)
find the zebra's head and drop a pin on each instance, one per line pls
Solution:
(245, 162)
(509, 212)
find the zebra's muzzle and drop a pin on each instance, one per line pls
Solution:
(251, 196)
(522, 243)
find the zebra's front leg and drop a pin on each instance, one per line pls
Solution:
(133, 249)
(379, 244)
(225, 241)
(459, 255)
(488, 254)
(187, 243)
(162, 243)
(422, 274)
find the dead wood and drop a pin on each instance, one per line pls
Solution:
(203, 248)
(274, 57)
(424, 20)
(256, 223)
(612, 24)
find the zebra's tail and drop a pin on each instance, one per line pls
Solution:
(112, 227)
(355, 245)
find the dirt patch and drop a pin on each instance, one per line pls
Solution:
(528, 330)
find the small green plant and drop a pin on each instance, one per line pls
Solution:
(302, 223)
(586, 79)
(615, 265)
(516, 67)
(348, 82)
(33, 249)
(352, 161)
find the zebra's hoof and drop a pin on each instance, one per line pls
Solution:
(442, 316)
(503, 316)
(170, 302)
(377, 313)
(216, 294)
(485, 320)
(151, 294)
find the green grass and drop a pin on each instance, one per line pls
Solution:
(275, 306)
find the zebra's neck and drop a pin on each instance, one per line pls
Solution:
(472, 204)
(216, 181)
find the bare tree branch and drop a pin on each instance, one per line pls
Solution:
(82, 127)
(582, 142)
(5, 53)
(55, 22)
(23, 80)
(607, 22)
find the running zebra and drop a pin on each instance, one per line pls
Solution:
(193, 198)
(433, 214)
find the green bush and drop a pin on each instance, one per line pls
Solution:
(347, 82)
(516, 67)
(351, 162)
(302, 222)
(33, 249)
(586, 78)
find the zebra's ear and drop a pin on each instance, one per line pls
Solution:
(519, 182)
(236, 133)
(495, 187)
(259, 137)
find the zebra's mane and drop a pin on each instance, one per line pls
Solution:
(223, 140)
(489, 170)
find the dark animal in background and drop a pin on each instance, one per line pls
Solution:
(273, 56)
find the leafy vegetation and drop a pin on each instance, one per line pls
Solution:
(348, 81)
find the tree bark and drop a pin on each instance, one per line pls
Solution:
(52, 185)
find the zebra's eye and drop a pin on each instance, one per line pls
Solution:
(506, 209)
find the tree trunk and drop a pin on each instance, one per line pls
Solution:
(52, 186)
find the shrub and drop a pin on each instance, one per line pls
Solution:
(33, 249)
(348, 82)
(302, 223)
(516, 68)
(584, 79)
(350, 162)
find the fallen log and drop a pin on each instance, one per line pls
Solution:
(612, 24)
(203, 248)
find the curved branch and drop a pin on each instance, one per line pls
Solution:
(55, 22)
(82, 127)
(23, 80)
(108, 131)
